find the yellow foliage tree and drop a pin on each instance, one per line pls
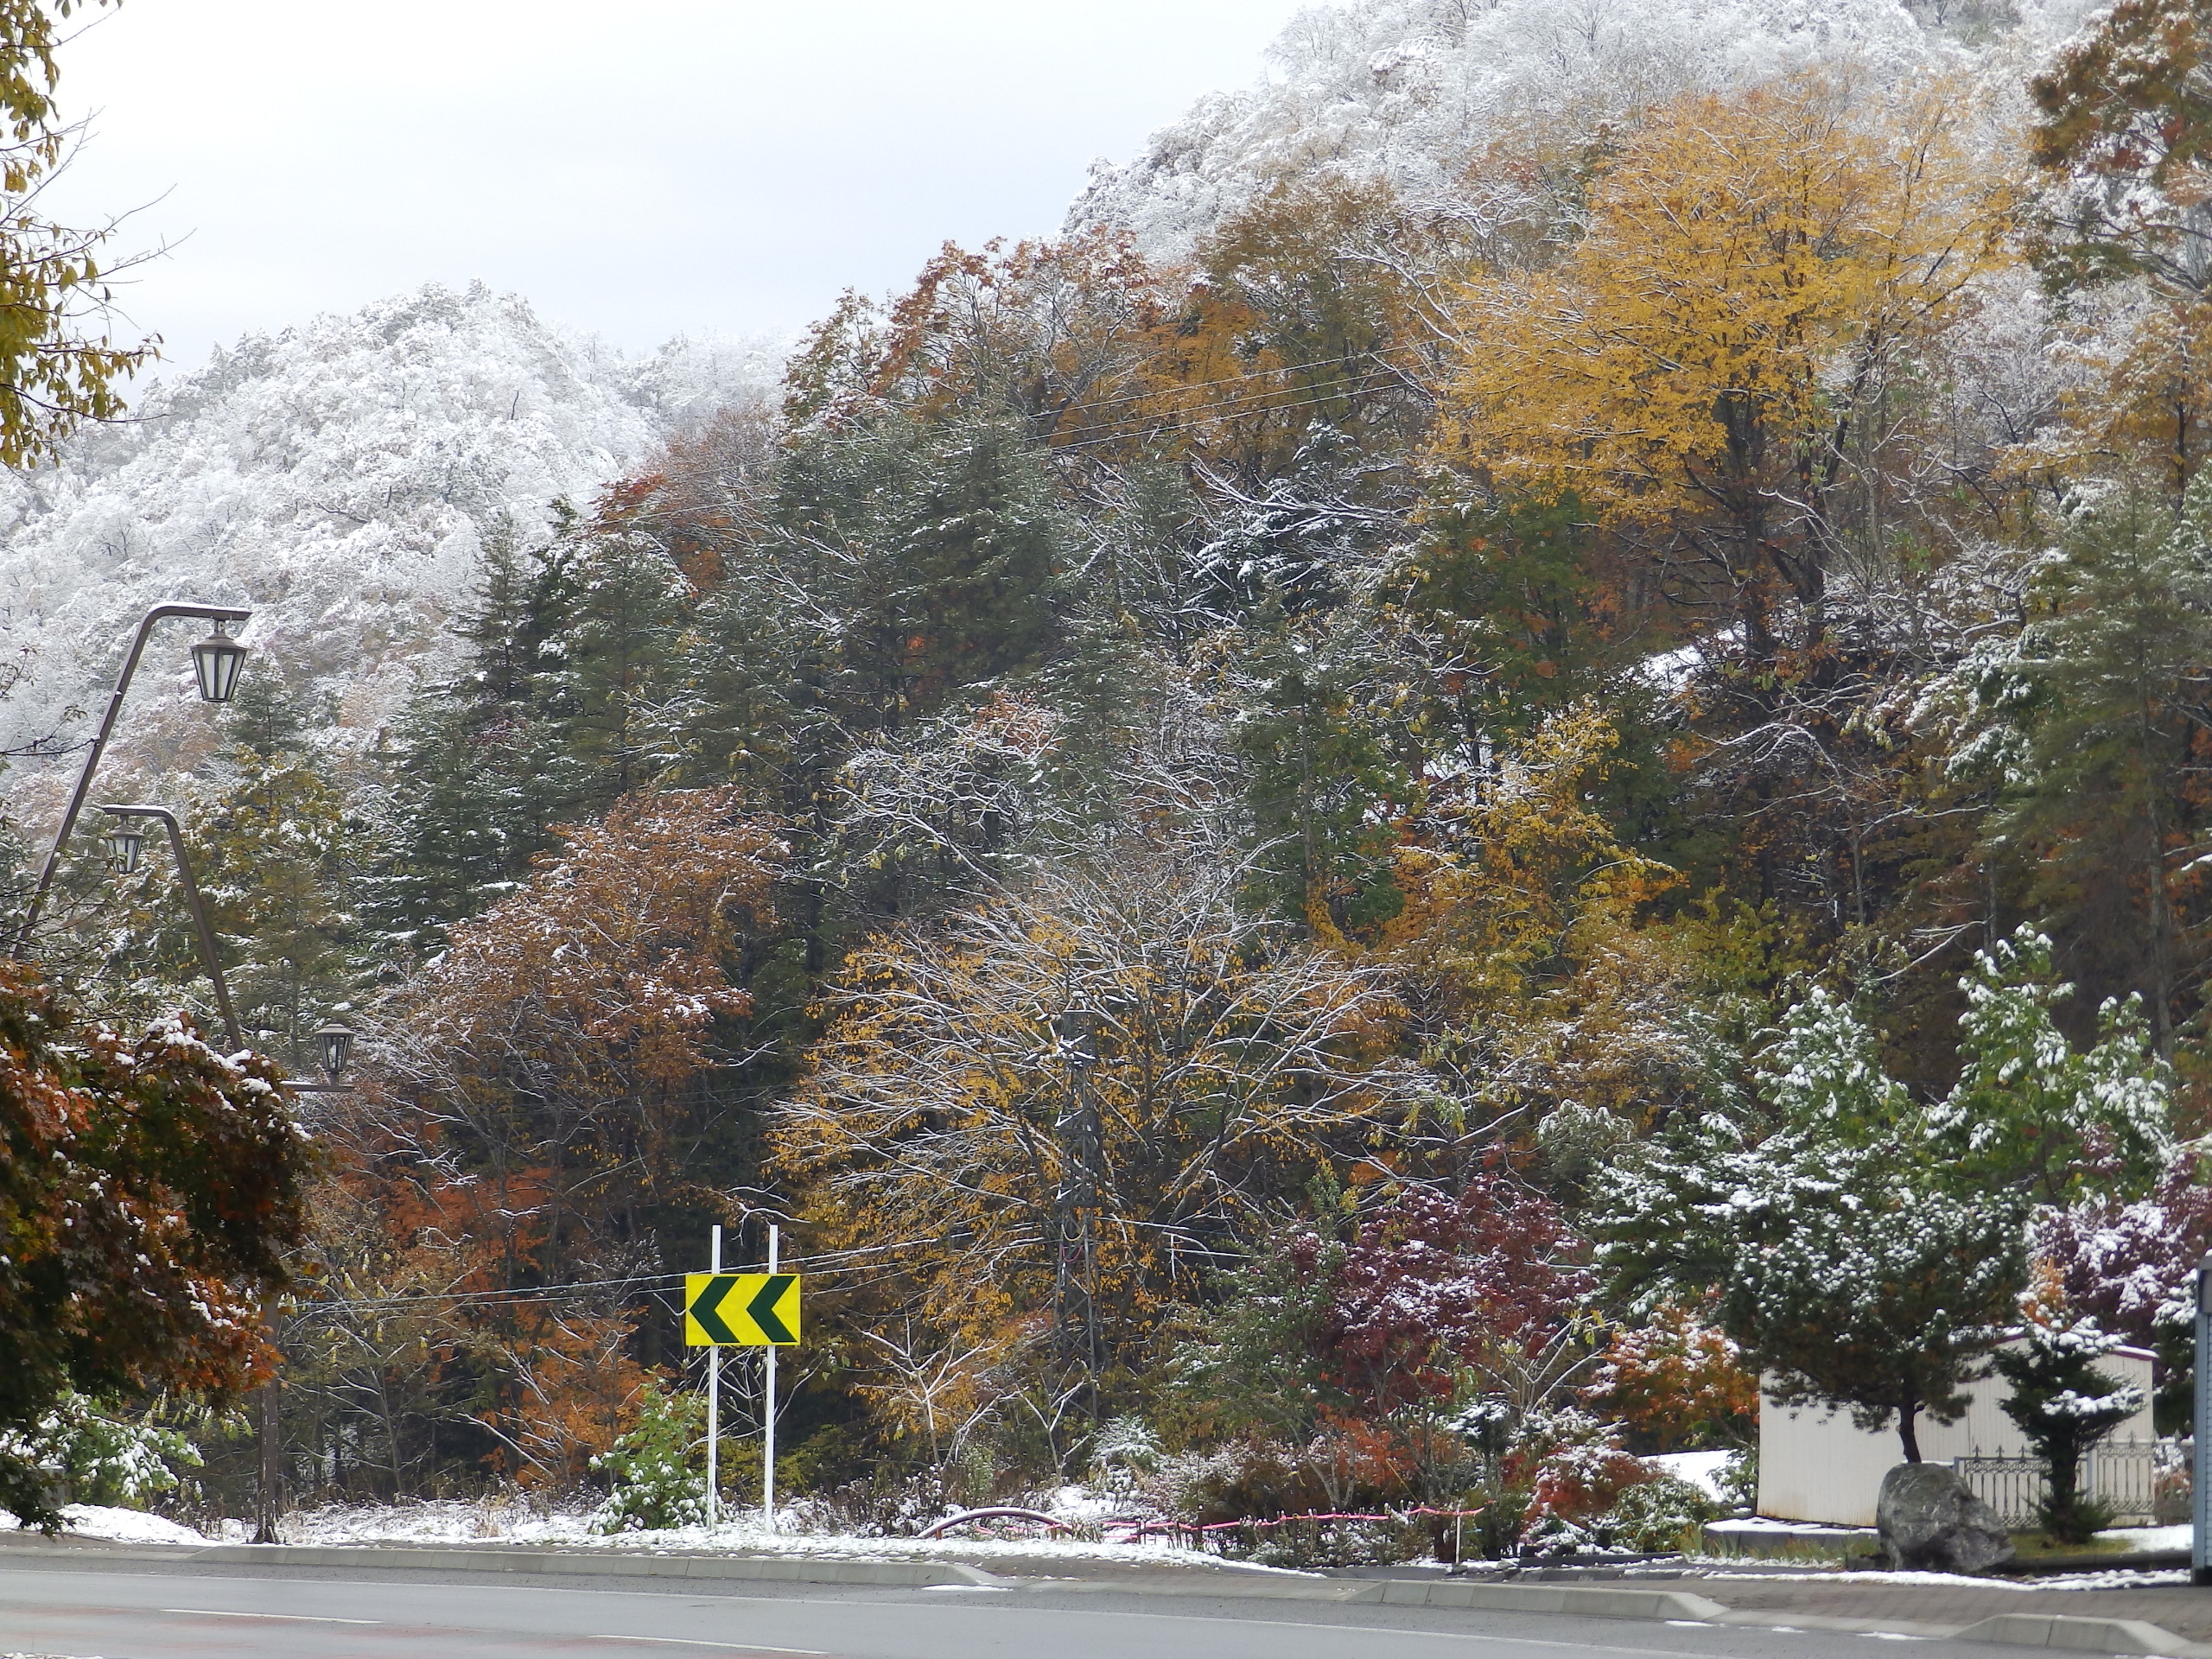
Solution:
(1042, 1193)
(1713, 371)
(1511, 864)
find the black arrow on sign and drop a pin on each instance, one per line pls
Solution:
(706, 1310)
(761, 1310)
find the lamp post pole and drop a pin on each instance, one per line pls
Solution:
(217, 665)
(208, 959)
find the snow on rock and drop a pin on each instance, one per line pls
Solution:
(1413, 91)
(340, 478)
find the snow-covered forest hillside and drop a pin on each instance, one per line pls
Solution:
(1525, 735)
(341, 479)
(1413, 92)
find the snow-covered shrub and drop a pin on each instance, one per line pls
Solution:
(658, 1469)
(1738, 1479)
(91, 1456)
(1677, 1383)
(882, 1505)
(2131, 1266)
(1124, 1451)
(1587, 1494)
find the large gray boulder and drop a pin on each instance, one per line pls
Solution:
(1931, 1522)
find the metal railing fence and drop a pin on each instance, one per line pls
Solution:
(2122, 1473)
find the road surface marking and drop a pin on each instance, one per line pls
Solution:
(295, 1618)
(735, 1647)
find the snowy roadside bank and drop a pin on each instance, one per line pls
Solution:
(493, 1525)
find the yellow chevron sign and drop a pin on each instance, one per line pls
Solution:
(741, 1310)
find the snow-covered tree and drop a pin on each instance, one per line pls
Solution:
(2064, 1406)
(1837, 1252)
(2126, 135)
(150, 1192)
(2030, 1111)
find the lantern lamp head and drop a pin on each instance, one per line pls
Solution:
(124, 843)
(217, 660)
(337, 1047)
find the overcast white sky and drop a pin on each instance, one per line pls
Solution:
(637, 169)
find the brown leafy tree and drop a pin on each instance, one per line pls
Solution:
(2125, 135)
(544, 1106)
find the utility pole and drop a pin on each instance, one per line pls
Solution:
(1074, 1201)
(268, 1497)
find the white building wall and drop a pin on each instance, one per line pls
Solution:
(1816, 1466)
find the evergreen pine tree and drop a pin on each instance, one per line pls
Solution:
(935, 555)
(2064, 1406)
(475, 792)
(279, 856)
(608, 667)
(2103, 715)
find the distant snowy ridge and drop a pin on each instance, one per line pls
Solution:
(339, 478)
(1410, 91)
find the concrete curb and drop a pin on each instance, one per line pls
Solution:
(2077, 1635)
(602, 1564)
(1589, 1603)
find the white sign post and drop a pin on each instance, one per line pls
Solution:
(714, 1401)
(768, 1415)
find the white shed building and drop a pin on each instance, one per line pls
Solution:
(1816, 1466)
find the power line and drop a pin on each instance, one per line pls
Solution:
(1239, 404)
(1226, 380)
(824, 1265)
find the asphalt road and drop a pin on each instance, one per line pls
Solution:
(129, 1610)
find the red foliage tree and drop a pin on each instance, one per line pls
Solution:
(1434, 1284)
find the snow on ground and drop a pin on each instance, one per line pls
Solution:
(2116, 1577)
(1753, 1525)
(492, 1522)
(1701, 1469)
(123, 1526)
(2148, 1537)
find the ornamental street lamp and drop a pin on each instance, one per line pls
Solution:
(127, 831)
(217, 660)
(337, 1047)
(215, 663)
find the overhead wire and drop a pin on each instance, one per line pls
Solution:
(833, 1263)
(1225, 380)
(1156, 429)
